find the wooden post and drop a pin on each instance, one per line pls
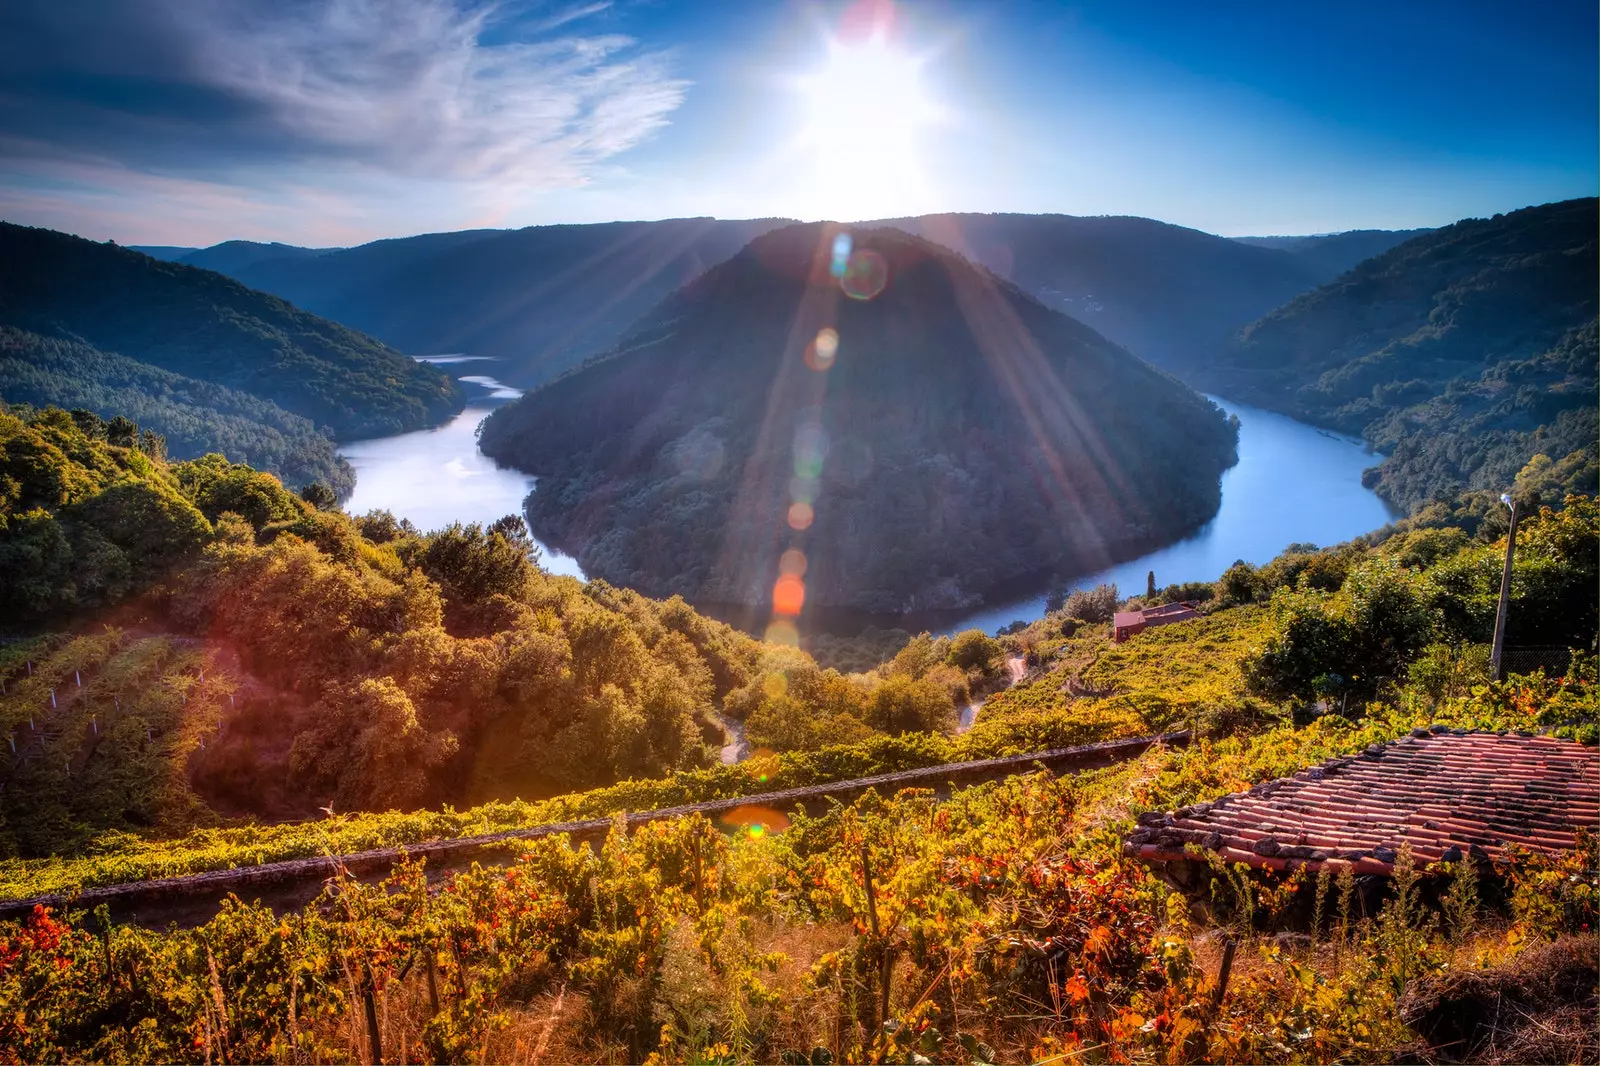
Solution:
(872, 899)
(1223, 973)
(372, 1014)
(1496, 658)
(699, 888)
(433, 987)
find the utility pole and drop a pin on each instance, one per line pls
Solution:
(1496, 656)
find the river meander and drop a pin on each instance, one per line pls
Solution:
(1294, 483)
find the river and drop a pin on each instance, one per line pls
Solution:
(1293, 483)
(437, 476)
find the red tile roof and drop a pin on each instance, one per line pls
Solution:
(1446, 792)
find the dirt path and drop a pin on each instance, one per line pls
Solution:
(737, 749)
(1016, 670)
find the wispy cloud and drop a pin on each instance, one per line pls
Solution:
(480, 101)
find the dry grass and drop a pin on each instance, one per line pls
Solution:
(1540, 1006)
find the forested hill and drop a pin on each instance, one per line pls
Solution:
(921, 448)
(1461, 354)
(195, 417)
(540, 299)
(208, 327)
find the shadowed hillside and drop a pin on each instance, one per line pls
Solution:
(922, 447)
(209, 327)
(540, 299)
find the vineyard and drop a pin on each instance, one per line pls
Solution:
(100, 730)
(1000, 924)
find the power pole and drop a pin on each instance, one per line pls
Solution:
(1495, 658)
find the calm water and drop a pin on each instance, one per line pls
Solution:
(1293, 483)
(437, 476)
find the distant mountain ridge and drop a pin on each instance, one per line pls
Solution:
(1461, 353)
(1168, 293)
(539, 299)
(958, 435)
(544, 298)
(1335, 253)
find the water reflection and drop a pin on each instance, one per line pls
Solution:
(437, 476)
(1293, 483)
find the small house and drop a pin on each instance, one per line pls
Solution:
(1128, 623)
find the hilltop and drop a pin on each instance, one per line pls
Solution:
(944, 437)
(204, 326)
(1460, 354)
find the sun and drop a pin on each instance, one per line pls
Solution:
(866, 112)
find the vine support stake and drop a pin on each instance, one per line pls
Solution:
(433, 986)
(872, 898)
(371, 1010)
(699, 889)
(1224, 972)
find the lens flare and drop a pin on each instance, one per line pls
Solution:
(820, 352)
(801, 516)
(774, 686)
(841, 255)
(788, 595)
(865, 276)
(793, 562)
(782, 632)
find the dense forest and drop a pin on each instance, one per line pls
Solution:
(194, 417)
(920, 448)
(1459, 354)
(208, 327)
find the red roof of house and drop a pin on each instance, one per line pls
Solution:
(1128, 618)
(1170, 610)
(1446, 792)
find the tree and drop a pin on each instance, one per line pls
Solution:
(319, 496)
(1238, 584)
(472, 563)
(973, 649)
(904, 704)
(1098, 604)
(366, 747)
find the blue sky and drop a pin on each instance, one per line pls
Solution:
(338, 121)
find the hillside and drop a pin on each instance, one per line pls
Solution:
(964, 437)
(205, 326)
(1461, 353)
(540, 299)
(998, 922)
(1168, 293)
(195, 417)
